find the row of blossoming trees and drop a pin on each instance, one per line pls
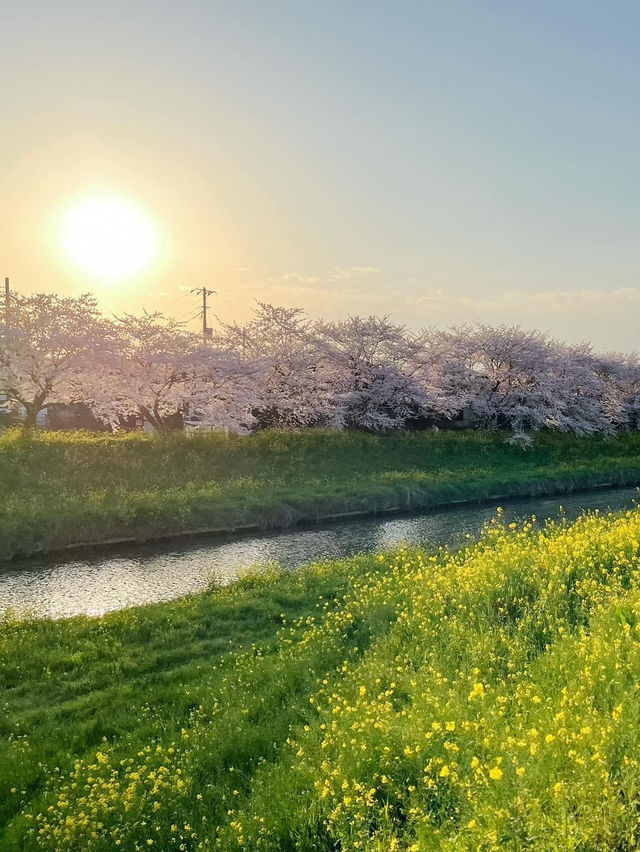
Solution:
(283, 370)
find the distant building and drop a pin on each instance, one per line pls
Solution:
(10, 414)
(56, 416)
(462, 419)
(78, 416)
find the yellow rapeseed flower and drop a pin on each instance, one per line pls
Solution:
(477, 691)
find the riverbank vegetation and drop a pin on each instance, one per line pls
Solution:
(485, 698)
(59, 489)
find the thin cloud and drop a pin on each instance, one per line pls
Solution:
(332, 276)
(527, 302)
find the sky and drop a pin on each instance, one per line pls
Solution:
(439, 162)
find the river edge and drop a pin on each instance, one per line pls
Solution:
(311, 513)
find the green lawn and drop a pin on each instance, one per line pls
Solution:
(482, 699)
(141, 674)
(58, 489)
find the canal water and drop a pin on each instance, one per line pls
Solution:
(97, 581)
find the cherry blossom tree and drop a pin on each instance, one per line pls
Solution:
(518, 379)
(630, 387)
(282, 370)
(157, 371)
(445, 371)
(293, 390)
(618, 387)
(578, 392)
(513, 369)
(373, 367)
(225, 390)
(44, 352)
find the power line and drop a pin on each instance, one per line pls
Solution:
(190, 318)
(186, 314)
(176, 302)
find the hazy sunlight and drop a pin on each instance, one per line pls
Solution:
(108, 237)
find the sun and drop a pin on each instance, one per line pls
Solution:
(108, 237)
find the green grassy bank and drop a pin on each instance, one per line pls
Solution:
(483, 699)
(58, 489)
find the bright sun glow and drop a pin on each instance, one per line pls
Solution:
(108, 237)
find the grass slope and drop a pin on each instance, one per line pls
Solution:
(483, 699)
(58, 489)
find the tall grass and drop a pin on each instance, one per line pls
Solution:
(481, 699)
(57, 489)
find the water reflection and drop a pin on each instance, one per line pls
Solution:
(98, 582)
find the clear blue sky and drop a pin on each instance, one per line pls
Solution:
(440, 162)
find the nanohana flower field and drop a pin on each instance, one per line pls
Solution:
(484, 698)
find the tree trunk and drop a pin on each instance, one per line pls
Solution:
(148, 416)
(31, 418)
(163, 425)
(172, 423)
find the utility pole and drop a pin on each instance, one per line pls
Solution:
(6, 303)
(206, 331)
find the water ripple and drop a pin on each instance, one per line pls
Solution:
(113, 579)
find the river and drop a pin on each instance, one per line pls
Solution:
(96, 581)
